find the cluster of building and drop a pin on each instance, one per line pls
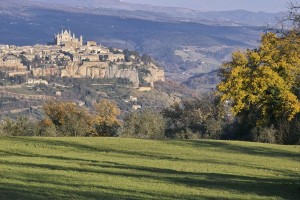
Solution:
(71, 57)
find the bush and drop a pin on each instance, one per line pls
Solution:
(47, 128)
(194, 118)
(187, 134)
(288, 131)
(214, 128)
(67, 119)
(265, 134)
(144, 124)
(22, 126)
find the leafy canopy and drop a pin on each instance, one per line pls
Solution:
(264, 80)
(68, 118)
(106, 118)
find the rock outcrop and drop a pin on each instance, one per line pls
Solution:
(130, 73)
(156, 74)
(105, 70)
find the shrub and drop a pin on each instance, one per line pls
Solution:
(187, 134)
(194, 118)
(68, 119)
(22, 126)
(214, 128)
(144, 124)
(265, 134)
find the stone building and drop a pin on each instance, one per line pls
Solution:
(53, 71)
(91, 43)
(32, 81)
(112, 57)
(66, 38)
(93, 58)
(11, 62)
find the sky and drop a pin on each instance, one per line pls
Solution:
(271, 6)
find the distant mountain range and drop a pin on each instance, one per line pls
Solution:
(271, 6)
(142, 11)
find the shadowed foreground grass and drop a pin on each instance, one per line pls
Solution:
(118, 168)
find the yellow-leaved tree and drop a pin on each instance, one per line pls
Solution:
(106, 118)
(264, 81)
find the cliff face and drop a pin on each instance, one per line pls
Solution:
(156, 74)
(129, 73)
(70, 71)
(103, 70)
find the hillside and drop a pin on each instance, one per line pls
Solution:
(160, 38)
(161, 32)
(118, 168)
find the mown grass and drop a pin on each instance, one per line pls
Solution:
(118, 168)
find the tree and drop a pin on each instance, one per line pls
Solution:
(291, 21)
(68, 118)
(196, 118)
(144, 124)
(47, 128)
(264, 80)
(294, 15)
(106, 118)
(263, 85)
(22, 126)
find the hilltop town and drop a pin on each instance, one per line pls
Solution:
(69, 56)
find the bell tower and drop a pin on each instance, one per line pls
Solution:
(81, 40)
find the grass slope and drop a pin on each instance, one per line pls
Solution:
(118, 168)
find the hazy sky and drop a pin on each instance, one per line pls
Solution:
(221, 5)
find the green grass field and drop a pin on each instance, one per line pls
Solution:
(118, 168)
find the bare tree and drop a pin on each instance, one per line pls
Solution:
(294, 14)
(290, 21)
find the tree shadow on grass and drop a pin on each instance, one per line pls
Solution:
(142, 169)
(262, 186)
(288, 188)
(31, 192)
(17, 191)
(91, 149)
(215, 145)
(93, 162)
(240, 149)
(55, 189)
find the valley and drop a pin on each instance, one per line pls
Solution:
(188, 45)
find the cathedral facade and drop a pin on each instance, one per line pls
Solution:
(66, 38)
